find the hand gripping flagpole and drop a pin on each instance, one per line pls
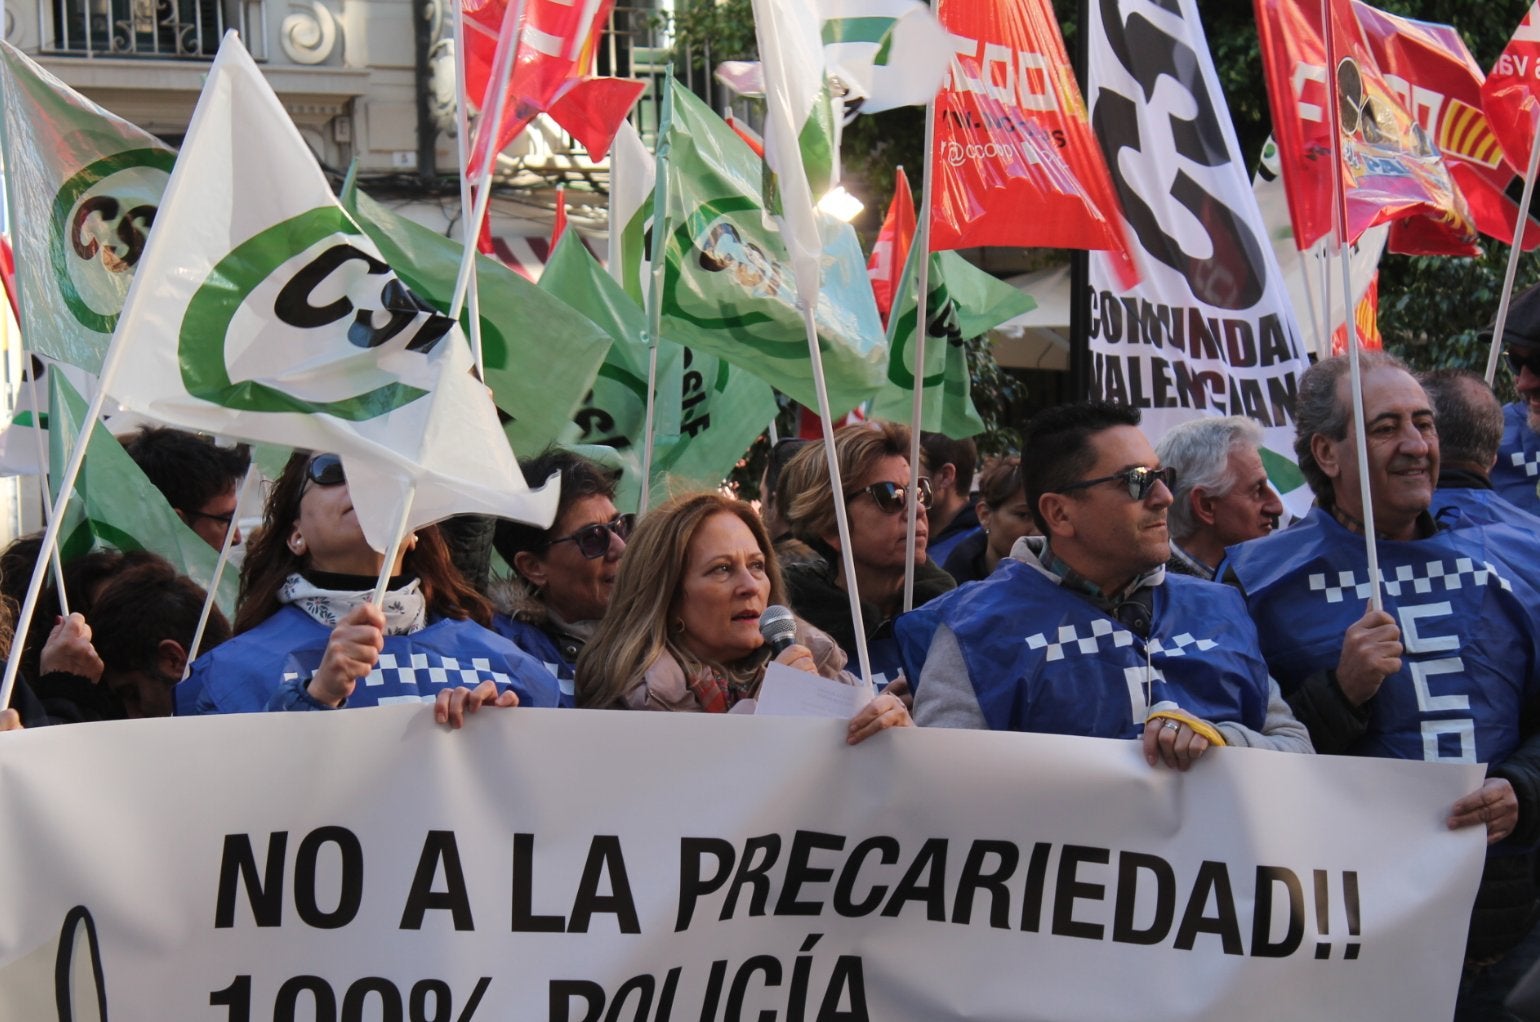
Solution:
(656, 256)
(242, 499)
(921, 328)
(1521, 221)
(1340, 228)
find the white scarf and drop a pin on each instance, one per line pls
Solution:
(406, 610)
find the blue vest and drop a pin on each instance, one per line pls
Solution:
(1458, 506)
(1517, 473)
(242, 674)
(533, 640)
(1465, 607)
(1045, 660)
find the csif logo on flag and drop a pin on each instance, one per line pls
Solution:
(317, 274)
(101, 217)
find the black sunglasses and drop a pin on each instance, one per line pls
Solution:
(325, 470)
(1139, 480)
(891, 498)
(224, 520)
(593, 541)
(1519, 361)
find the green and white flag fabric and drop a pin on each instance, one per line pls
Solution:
(708, 412)
(964, 302)
(541, 356)
(84, 186)
(728, 289)
(633, 176)
(116, 505)
(801, 139)
(24, 440)
(262, 311)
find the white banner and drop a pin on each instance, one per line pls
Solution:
(1209, 330)
(594, 866)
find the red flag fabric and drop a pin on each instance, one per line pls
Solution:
(8, 274)
(891, 251)
(1391, 170)
(1511, 98)
(1015, 162)
(555, 50)
(1367, 319)
(1440, 84)
(559, 227)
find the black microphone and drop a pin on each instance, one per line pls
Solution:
(779, 627)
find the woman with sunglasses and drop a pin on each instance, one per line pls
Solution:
(563, 576)
(306, 631)
(873, 460)
(683, 629)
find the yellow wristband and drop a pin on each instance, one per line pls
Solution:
(1202, 727)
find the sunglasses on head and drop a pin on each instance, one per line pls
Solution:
(892, 498)
(593, 541)
(1139, 480)
(1521, 360)
(325, 470)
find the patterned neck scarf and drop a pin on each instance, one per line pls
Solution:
(406, 610)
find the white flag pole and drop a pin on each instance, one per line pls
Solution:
(1340, 229)
(383, 583)
(468, 233)
(242, 499)
(43, 474)
(1521, 222)
(656, 255)
(488, 129)
(921, 324)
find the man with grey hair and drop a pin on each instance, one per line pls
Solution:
(1222, 495)
(1449, 670)
(1470, 431)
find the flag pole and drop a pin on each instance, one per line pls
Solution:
(1340, 228)
(1520, 222)
(383, 583)
(43, 474)
(656, 256)
(242, 499)
(921, 328)
(60, 505)
(498, 83)
(468, 233)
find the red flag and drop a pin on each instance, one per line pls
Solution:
(891, 251)
(1509, 97)
(559, 227)
(1367, 318)
(549, 73)
(1440, 84)
(8, 274)
(1015, 162)
(1391, 170)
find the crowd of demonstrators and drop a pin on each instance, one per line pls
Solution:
(563, 576)
(1363, 681)
(1221, 496)
(1516, 475)
(873, 460)
(949, 465)
(1004, 516)
(1048, 641)
(1469, 419)
(200, 479)
(307, 635)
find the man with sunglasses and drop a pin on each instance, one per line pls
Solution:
(1082, 631)
(1516, 476)
(198, 477)
(1448, 670)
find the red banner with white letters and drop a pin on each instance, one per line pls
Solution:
(1511, 95)
(1391, 168)
(1015, 162)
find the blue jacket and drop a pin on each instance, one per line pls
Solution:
(1479, 507)
(1464, 600)
(1045, 660)
(1517, 473)
(537, 642)
(245, 673)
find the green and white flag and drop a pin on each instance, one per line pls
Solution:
(801, 139)
(262, 311)
(964, 302)
(117, 506)
(708, 412)
(84, 186)
(728, 289)
(633, 177)
(541, 356)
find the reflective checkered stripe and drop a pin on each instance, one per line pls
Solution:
(418, 677)
(1103, 633)
(1409, 579)
(1526, 462)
